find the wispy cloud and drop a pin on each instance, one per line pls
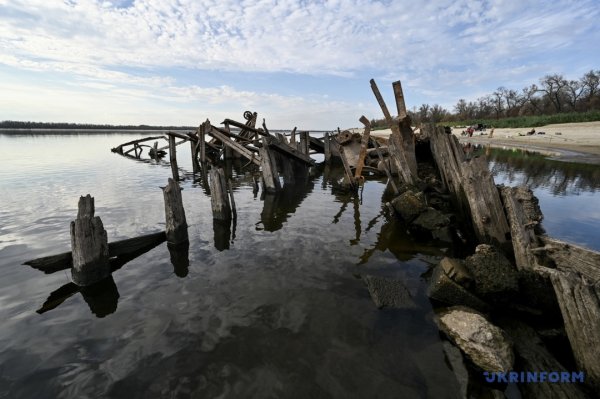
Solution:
(446, 48)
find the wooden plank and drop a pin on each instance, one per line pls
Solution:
(347, 170)
(385, 167)
(569, 257)
(116, 149)
(236, 146)
(179, 135)
(523, 213)
(176, 225)
(580, 308)
(290, 152)
(304, 142)
(316, 144)
(293, 135)
(396, 146)
(399, 96)
(364, 143)
(327, 147)
(173, 157)
(244, 127)
(89, 245)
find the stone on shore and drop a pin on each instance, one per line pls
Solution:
(494, 275)
(486, 345)
(410, 204)
(443, 289)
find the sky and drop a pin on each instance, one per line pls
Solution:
(295, 62)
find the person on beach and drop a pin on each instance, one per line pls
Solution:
(492, 132)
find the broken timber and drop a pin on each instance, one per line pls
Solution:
(176, 225)
(89, 245)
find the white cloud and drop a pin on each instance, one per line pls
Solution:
(442, 50)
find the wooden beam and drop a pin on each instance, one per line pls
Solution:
(235, 146)
(244, 127)
(364, 143)
(290, 152)
(176, 225)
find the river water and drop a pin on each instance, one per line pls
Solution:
(272, 309)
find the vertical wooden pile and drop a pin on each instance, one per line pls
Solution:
(219, 199)
(327, 147)
(176, 225)
(89, 245)
(173, 157)
(270, 176)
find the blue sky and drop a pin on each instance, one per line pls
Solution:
(296, 63)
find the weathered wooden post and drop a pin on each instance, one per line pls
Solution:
(89, 245)
(219, 199)
(364, 143)
(269, 169)
(327, 148)
(173, 157)
(304, 142)
(195, 164)
(293, 136)
(396, 148)
(176, 225)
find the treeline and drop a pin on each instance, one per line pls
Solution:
(576, 100)
(82, 126)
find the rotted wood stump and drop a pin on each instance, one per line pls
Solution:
(176, 225)
(219, 199)
(89, 245)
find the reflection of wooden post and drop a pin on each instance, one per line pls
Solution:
(89, 245)
(327, 148)
(180, 258)
(173, 157)
(176, 225)
(219, 199)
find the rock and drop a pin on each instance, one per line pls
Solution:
(431, 219)
(443, 234)
(388, 292)
(494, 275)
(410, 204)
(486, 345)
(443, 289)
(456, 270)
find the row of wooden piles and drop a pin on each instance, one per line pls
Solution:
(508, 218)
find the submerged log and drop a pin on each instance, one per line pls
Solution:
(89, 245)
(176, 225)
(219, 198)
(64, 261)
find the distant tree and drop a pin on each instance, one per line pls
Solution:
(554, 86)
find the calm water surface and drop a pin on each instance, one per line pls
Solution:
(273, 311)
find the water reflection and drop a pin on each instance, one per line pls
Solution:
(523, 167)
(279, 206)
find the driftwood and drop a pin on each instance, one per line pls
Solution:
(89, 245)
(64, 261)
(219, 199)
(533, 356)
(406, 170)
(176, 225)
(523, 213)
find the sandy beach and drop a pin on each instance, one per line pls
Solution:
(577, 142)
